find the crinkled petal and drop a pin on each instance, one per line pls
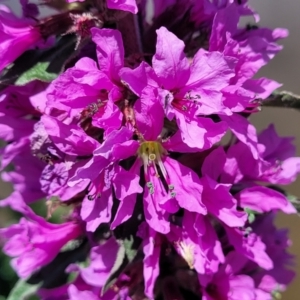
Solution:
(169, 61)
(187, 186)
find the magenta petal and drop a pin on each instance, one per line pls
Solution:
(169, 61)
(244, 131)
(102, 259)
(126, 183)
(126, 186)
(38, 243)
(251, 246)
(90, 170)
(126, 5)
(200, 133)
(124, 212)
(77, 294)
(137, 79)
(110, 119)
(149, 114)
(237, 99)
(70, 139)
(110, 51)
(221, 203)
(289, 170)
(187, 186)
(214, 162)
(225, 21)
(276, 147)
(175, 143)
(151, 248)
(16, 36)
(97, 211)
(156, 216)
(210, 71)
(114, 138)
(263, 199)
(262, 87)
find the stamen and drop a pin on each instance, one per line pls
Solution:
(152, 154)
(187, 252)
(171, 190)
(96, 194)
(152, 157)
(186, 102)
(150, 187)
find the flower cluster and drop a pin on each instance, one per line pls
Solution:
(129, 137)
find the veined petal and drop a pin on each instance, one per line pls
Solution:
(187, 186)
(244, 131)
(137, 79)
(210, 71)
(169, 61)
(221, 203)
(110, 51)
(200, 133)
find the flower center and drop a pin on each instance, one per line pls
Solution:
(152, 154)
(186, 102)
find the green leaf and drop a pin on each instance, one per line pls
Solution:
(37, 72)
(40, 64)
(129, 248)
(251, 218)
(251, 214)
(295, 202)
(23, 290)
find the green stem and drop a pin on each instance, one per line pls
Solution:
(283, 99)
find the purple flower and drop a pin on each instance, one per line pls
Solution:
(250, 245)
(33, 242)
(227, 283)
(102, 259)
(160, 202)
(187, 89)
(277, 242)
(216, 196)
(17, 36)
(151, 249)
(252, 47)
(30, 10)
(104, 175)
(196, 242)
(84, 91)
(276, 161)
(258, 198)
